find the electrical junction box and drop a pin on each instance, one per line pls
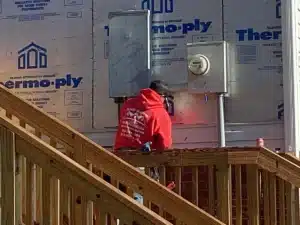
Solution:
(129, 52)
(207, 67)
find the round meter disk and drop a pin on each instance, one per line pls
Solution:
(199, 65)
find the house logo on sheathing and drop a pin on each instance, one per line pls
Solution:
(32, 56)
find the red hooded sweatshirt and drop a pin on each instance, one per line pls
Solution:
(143, 119)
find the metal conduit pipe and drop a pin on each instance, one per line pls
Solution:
(221, 120)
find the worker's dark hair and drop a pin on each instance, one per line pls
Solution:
(160, 87)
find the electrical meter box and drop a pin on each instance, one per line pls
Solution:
(207, 67)
(129, 52)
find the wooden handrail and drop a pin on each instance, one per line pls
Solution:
(84, 151)
(192, 157)
(288, 167)
(270, 181)
(35, 117)
(71, 173)
(290, 158)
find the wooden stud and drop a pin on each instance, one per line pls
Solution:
(38, 188)
(266, 197)
(146, 201)
(90, 204)
(55, 194)
(46, 218)
(290, 198)
(162, 175)
(23, 180)
(238, 194)
(19, 189)
(224, 193)
(97, 209)
(273, 195)
(281, 202)
(23, 186)
(178, 174)
(253, 194)
(79, 202)
(29, 193)
(211, 188)
(64, 205)
(8, 170)
(102, 218)
(162, 180)
(97, 214)
(34, 193)
(79, 206)
(195, 180)
(296, 205)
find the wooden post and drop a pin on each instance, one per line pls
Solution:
(38, 188)
(23, 180)
(178, 174)
(146, 201)
(238, 194)
(29, 181)
(162, 180)
(281, 201)
(266, 197)
(211, 188)
(19, 189)
(290, 202)
(195, 179)
(46, 218)
(8, 214)
(54, 200)
(273, 208)
(55, 194)
(224, 193)
(253, 194)
(79, 202)
(90, 204)
(296, 205)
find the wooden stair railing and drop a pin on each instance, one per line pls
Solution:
(290, 158)
(17, 140)
(262, 187)
(92, 156)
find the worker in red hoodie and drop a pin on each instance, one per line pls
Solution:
(144, 119)
(145, 124)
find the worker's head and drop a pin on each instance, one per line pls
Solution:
(160, 87)
(163, 90)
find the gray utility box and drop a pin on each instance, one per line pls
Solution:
(207, 67)
(129, 52)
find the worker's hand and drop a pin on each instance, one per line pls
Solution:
(146, 147)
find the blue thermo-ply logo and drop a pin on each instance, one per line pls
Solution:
(250, 34)
(173, 26)
(56, 83)
(196, 25)
(158, 6)
(32, 56)
(180, 27)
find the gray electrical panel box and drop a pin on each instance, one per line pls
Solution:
(207, 67)
(129, 52)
